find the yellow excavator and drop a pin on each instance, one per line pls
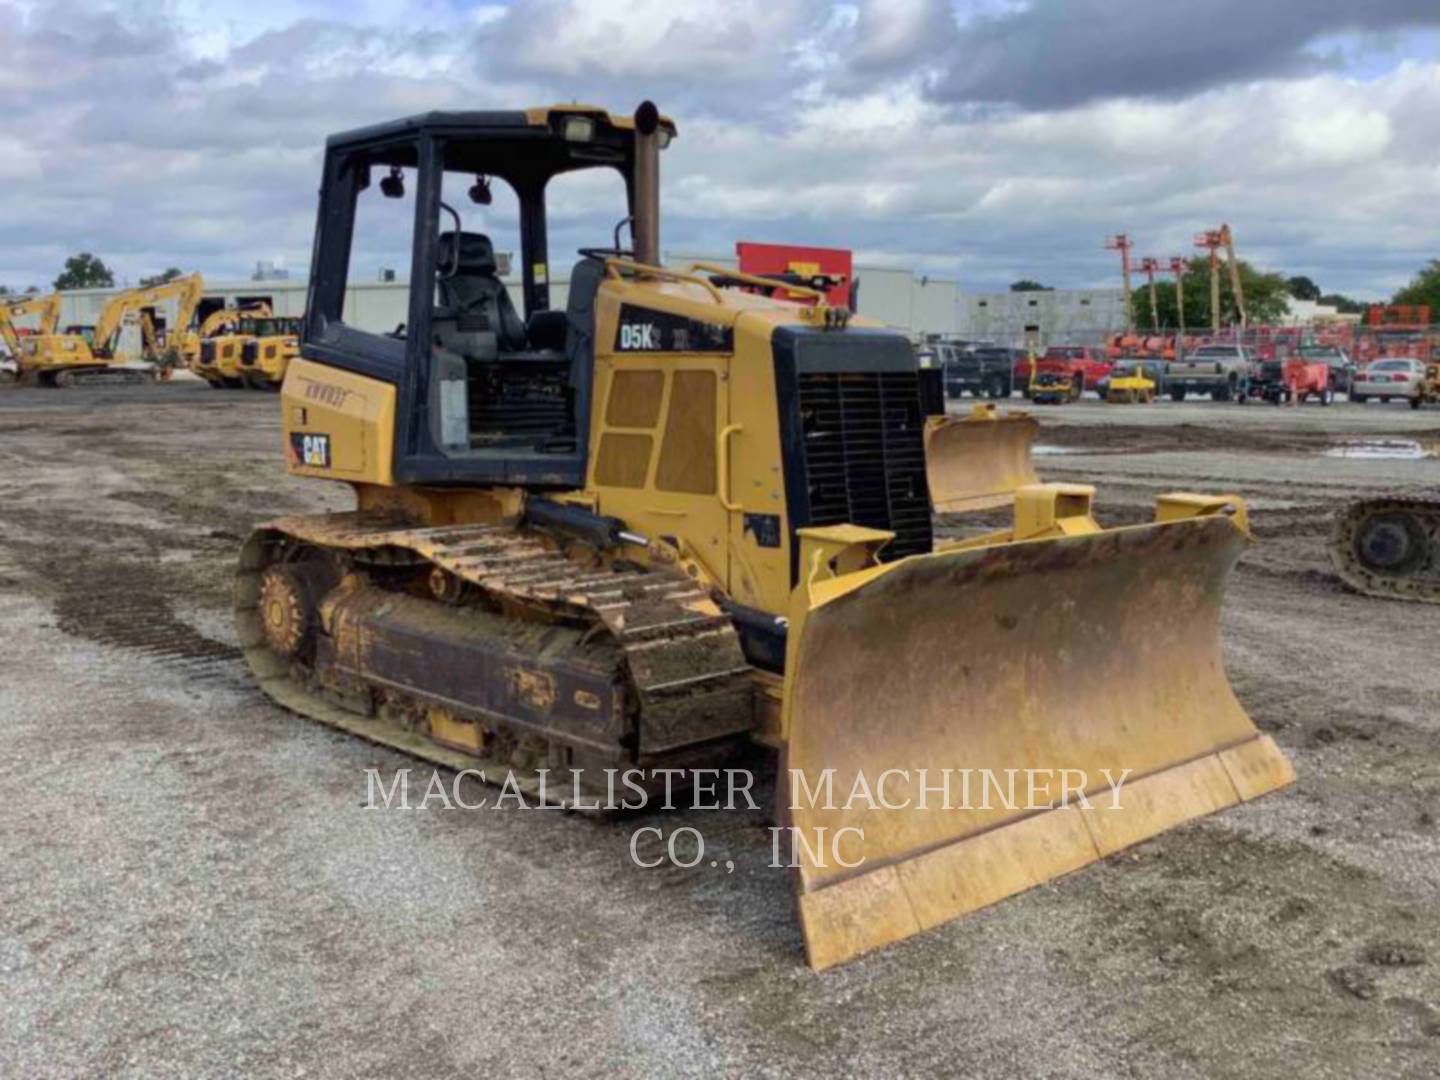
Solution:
(44, 309)
(89, 355)
(213, 347)
(679, 515)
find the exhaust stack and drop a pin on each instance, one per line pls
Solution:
(647, 184)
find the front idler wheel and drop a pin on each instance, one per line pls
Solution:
(287, 610)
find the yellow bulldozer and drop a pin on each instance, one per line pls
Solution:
(269, 344)
(212, 351)
(90, 355)
(679, 517)
(244, 347)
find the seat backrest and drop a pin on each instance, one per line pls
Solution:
(580, 339)
(476, 316)
(580, 316)
(547, 330)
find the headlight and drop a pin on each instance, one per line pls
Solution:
(578, 129)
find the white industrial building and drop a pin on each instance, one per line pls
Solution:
(1052, 316)
(889, 295)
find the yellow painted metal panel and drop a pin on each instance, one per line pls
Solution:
(1085, 661)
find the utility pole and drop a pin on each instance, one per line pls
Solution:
(1121, 243)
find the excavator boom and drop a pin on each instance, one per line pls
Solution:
(46, 308)
(185, 292)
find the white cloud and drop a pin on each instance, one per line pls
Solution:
(194, 139)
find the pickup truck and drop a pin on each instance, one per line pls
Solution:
(1084, 367)
(982, 370)
(1222, 371)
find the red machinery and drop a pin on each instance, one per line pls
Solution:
(830, 269)
(1402, 331)
(1083, 367)
(1302, 379)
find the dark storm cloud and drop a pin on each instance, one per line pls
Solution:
(1055, 54)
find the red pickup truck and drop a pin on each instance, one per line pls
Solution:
(1086, 367)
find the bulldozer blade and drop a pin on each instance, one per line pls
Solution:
(978, 462)
(922, 696)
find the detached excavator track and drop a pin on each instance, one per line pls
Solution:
(487, 647)
(1389, 547)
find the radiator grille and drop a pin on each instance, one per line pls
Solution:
(864, 446)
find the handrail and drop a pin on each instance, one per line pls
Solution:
(758, 280)
(660, 271)
(722, 456)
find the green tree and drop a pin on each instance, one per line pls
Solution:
(1303, 288)
(1266, 297)
(1026, 285)
(84, 271)
(160, 279)
(1343, 304)
(1424, 288)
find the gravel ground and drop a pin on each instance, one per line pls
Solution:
(192, 884)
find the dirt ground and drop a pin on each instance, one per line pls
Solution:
(190, 881)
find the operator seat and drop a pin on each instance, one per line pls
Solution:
(585, 282)
(476, 318)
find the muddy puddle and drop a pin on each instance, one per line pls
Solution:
(1383, 449)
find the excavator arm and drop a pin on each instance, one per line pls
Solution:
(185, 291)
(47, 307)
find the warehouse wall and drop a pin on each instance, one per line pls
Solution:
(890, 295)
(1064, 316)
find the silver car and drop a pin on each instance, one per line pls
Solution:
(1392, 377)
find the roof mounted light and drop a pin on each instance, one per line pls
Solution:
(393, 186)
(578, 128)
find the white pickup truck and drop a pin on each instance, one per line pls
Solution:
(1222, 371)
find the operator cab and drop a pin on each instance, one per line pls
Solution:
(488, 391)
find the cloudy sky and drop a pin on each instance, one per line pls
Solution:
(984, 140)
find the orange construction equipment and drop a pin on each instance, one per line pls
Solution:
(1149, 265)
(1396, 331)
(1178, 266)
(1121, 243)
(1212, 241)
